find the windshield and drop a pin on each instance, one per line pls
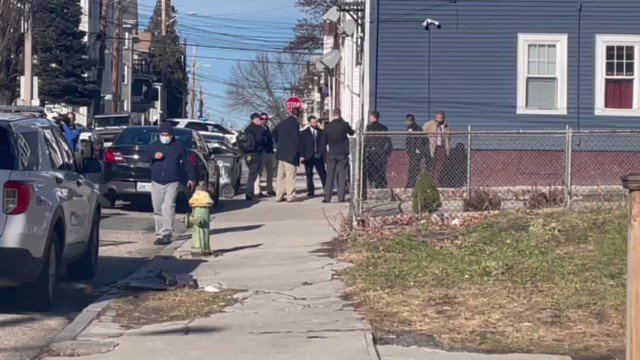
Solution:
(111, 121)
(146, 136)
(8, 162)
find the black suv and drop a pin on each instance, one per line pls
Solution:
(126, 177)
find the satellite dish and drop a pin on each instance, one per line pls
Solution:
(329, 60)
(332, 15)
(349, 27)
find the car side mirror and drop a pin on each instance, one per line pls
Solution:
(91, 166)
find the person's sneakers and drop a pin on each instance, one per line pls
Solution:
(280, 200)
(261, 195)
(295, 200)
(249, 197)
(325, 201)
(164, 240)
(271, 193)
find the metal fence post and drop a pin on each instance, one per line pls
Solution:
(632, 183)
(568, 169)
(468, 161)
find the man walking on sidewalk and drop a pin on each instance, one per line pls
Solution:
(337, 155)
(168, 158)
(287, 137)
(313, 147)
(253, 154)
(266, 171)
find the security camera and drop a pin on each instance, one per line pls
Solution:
(427, 24)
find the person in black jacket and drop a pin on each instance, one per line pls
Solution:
(377, 150)
(168, 158)
(267, 161)
(254, 156)
(336, 133)
(287, 137)
(417, 147)
(313, 147)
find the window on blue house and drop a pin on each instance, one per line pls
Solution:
(617, 83)
(542, 74)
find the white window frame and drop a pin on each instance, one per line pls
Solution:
(602, 41)
(561, 43)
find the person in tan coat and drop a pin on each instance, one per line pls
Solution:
(439, 136)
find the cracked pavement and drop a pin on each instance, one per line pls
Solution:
(291, 310)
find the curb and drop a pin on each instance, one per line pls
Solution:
(374, 354)
(91, 312)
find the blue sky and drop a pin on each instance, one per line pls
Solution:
(237, 24)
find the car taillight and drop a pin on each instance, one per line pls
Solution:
(17, 197)
(114, 157)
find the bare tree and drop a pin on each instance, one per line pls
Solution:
(11, 44)
(264, 84)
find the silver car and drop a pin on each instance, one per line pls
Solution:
(50, 216)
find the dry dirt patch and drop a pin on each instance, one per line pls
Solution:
(149, 308)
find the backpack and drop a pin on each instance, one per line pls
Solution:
(246, 142)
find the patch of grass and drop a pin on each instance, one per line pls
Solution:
(543, 282)
(166, 306)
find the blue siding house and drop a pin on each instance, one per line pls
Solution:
(507, 64)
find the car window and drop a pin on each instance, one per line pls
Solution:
(221, 129)
(111, 121)
(55, 154)
(196, 126)
(28, 151)
(7, 146)
(67, 154)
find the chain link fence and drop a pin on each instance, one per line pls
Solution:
(484, 170)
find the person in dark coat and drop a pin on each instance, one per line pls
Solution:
(168, 158)
(313, 147)
(377, 150)
(287, 137)
(267, 168)
(417, 147)
(253, 156)
(337, 158)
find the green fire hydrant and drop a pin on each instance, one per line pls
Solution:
(198, 221)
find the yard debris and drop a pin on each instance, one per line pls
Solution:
(162, 281)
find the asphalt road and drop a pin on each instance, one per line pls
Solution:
(126, 243)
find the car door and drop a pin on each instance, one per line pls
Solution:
(69, 188)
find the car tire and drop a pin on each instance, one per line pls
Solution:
(86, 267)
(40, 295)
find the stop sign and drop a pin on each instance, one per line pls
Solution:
(293, 102)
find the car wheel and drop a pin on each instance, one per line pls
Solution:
(40, 295)
(85, 268)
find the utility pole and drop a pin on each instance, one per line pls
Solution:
(193, 84)
(115, 64)
(104, 13)
(186, 76)
(201, 103)
(164, 18)
(28, 58)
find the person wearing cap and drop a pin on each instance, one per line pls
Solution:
(266, 170)
(168, 158)
(254, 155)
(287, 136)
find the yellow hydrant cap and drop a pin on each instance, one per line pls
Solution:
(200, 199)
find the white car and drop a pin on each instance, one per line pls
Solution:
(205, 127)
(50, 214)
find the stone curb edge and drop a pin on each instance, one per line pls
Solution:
(91, 312)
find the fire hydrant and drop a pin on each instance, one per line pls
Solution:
(198, 221)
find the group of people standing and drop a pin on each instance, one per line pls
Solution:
(325, 151)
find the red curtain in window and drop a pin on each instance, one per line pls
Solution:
(619, 94)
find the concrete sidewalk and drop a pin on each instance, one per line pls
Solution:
(292, 306)
(291, 310)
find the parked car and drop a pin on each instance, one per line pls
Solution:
(128, 178)
(104, 131)
(229, 160)
(206, 127)
(50, 215)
